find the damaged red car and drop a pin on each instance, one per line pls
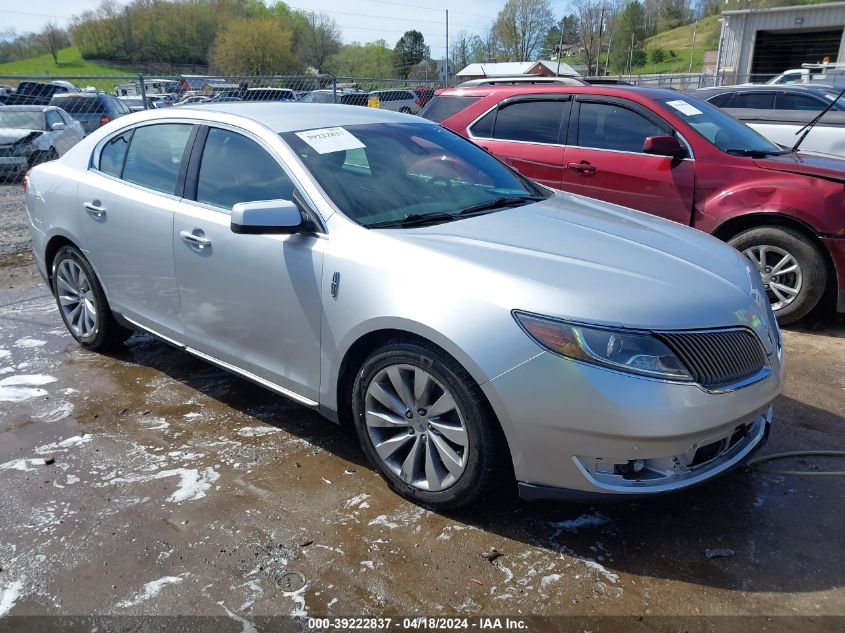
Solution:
(674, 156)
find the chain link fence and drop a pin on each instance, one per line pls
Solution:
(42, 117)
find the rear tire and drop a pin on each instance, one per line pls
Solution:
(82, 303)
(422, 437)
(796, 292)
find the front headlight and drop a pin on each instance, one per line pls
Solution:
(634, 352)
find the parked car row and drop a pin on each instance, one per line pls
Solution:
(31, 134)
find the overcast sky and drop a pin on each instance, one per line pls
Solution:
(360, 20)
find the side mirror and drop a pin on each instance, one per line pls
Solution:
(58, 126)
(280, 217)
(664, 146)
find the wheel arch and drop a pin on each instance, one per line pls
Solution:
(361, 348)
(53, 245)
(736, 225)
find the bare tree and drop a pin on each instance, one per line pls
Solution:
(318, 39)
(521, 27)
(593, 16)
(460, 50)
(52, 38)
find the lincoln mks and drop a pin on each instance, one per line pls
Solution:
(475, 328)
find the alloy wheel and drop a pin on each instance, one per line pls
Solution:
(780, 271)
(76, 298)
(416, 427)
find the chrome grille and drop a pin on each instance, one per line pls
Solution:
(717, 358)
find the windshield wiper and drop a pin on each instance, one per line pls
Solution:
(499, 203)
(809, 127)
(414, 219)
(754, 153)
(440, 217)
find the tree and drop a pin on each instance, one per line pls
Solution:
(479, 52)
(521, 27)
(53, 38)
(254, 46)
(569, 26)
(592, 26)
(629, 32)
(460, 50)
(373, 59)
(410, 50)
(317, 38)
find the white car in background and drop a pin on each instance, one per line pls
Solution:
(397, 100)
(30, 135)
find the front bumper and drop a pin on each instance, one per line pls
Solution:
(577, 430)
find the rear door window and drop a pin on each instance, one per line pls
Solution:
(155, 156)
(722, 100)
(530, 121)
(113, 155)
(612, 126)
(754, 100)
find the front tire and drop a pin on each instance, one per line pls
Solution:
(793, 269)
(425, 427)
(82, 302)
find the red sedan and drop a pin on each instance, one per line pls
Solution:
(675, 156)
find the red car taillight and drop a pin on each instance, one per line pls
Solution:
(105, 118)
(25, 182)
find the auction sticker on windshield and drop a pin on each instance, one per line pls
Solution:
(684, 107)
(330, 139)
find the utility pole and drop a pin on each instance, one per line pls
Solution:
(601, 32)
(559, 49)
(631, 56)
(607, 58)
(447, 46)
(692, 52)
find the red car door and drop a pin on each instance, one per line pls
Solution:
(605, 160)
(526, 133)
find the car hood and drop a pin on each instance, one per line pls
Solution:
(13, 135)
(581, 259)
(818, 165)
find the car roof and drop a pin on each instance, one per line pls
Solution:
(769, 88)
(550, 88)
(288, 117)
(28, 108)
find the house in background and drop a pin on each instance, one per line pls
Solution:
(540, 68)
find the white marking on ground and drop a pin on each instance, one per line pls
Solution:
(154, 423)
(151, 590)
(382, 520)
(604, 571)
(28, 343)
(76, 440)
(584, 521)
(4, 353)
(257, 431)
(357, 501)
(60, 412)
(9, 594)
(545, 581)
(23, 464)
(248, 627)
(23, 387)
(193, 483)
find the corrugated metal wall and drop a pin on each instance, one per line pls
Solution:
(739, 30)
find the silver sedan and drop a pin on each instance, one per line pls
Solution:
(477, 329)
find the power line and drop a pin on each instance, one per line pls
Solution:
(39, 15)
(415, 6)
(380, 17)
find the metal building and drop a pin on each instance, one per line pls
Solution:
(759, 43)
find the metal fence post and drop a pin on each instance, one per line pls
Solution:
(334, 89)
(143, 90)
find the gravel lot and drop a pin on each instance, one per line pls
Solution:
(14, 234)
(176, 488)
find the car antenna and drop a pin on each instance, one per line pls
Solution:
(809, 127)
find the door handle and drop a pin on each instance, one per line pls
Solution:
(94, 209)
(584, 167)
(198, 242)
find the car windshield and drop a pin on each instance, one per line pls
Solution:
(21, 120)
(724, 131)
(399, 173)
(79, 105)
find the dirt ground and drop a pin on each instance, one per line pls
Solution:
(176, 488)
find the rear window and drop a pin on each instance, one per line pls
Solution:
(442, 107)
(79, 105)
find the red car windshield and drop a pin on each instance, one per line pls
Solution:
(724, 131)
